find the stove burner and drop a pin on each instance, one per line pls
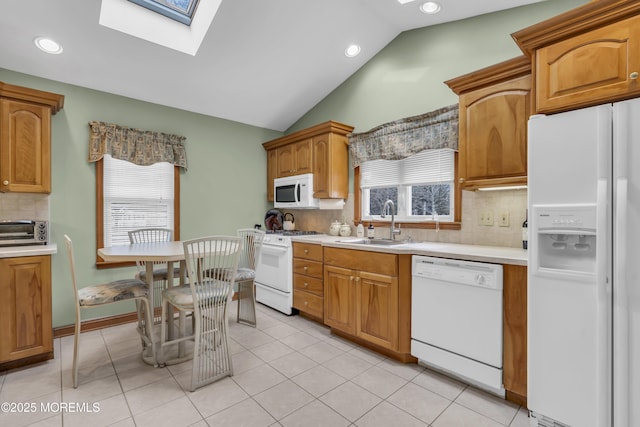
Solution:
(292, 232)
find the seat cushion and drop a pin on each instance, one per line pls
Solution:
(182, 297)
(160, 273)
(120, 290)
(242, 275)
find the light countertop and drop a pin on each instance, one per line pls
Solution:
(30, 250)
(491, 254)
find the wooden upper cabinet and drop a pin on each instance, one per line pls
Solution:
(321, 150)
(25, 138)
(587, 56)
(495, 104)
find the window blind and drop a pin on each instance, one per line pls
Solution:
(135, 197)
(426, 167)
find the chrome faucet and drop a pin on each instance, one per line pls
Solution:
(393, 231)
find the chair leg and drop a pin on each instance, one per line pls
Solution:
(163, 332)
(76, 339)
(148, 332)
(246, 303)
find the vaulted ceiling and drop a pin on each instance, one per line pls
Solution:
(261, 62)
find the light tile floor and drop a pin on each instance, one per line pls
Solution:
(288, 371)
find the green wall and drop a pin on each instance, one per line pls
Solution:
(223, 189)
(406, 78)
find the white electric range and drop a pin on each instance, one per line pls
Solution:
(274, 272)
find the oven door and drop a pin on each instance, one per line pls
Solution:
(275, 267)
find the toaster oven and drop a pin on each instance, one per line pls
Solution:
(23, 232)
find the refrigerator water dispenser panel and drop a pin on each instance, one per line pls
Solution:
(566, 239)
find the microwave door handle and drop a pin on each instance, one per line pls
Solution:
(297, 192)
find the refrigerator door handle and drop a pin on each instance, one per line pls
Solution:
(621, 364)
(603, 290)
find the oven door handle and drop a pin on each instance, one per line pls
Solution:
(274, 250)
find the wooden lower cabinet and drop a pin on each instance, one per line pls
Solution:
(308, 284)
(367, 297)
(515, 333)
(25, 310)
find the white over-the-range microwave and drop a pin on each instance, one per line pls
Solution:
(295, 192)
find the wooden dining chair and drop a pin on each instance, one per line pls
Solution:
(160, 273)
(107, 293)
(244, 281)
(207, 296)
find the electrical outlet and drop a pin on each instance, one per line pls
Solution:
(486, 218)
(503, 221)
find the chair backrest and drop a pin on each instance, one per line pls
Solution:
(146, 235)
(251, 245)
(149, 235)
(205, 259)
(72, 265)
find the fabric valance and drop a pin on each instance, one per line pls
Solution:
(134, 145)
(405, 137)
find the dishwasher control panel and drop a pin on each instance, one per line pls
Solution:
(460, 272)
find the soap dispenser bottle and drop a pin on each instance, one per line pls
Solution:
(371, 232)
(360, 230)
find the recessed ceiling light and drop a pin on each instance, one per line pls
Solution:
(430, 7)
(352, 50)
(47, 45)
(404, 1)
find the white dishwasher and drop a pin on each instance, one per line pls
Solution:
(456, 319)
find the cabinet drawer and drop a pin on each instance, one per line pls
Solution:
(308, 268)
(307, 251)
(373, 262)
(308, 283)
(308, 303)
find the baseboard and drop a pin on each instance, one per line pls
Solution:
(90, 325)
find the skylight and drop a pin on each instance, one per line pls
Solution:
(178, 10)
(128, 17)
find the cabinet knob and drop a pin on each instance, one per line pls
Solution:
(306, 303)
(305, 268)
(306, 251)
(461, 180)
(5, 182)
(634, 75)
(306, 285)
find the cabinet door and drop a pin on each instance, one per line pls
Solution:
(25, 147)
(493, 134)
(330, 166)
(286, 165)
(515, 331)
(272, 172)
(303, 157)
(339, 299)
(25, 307)
(599, 66)
(377, 309)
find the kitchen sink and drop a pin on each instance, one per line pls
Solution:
(386, 242)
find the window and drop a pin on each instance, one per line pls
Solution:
(421, 187)
(178, 10)
(132, 197)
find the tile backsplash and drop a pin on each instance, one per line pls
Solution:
(512, 202)
(24, 206)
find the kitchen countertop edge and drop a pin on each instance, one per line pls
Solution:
(479, 253)
(22, 251)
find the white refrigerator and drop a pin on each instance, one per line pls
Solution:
(584, 267)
